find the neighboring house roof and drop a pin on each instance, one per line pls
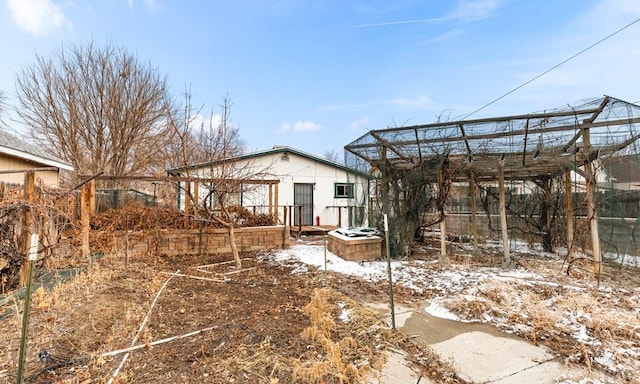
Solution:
(12, 146)
(624, 169)
(275, 150)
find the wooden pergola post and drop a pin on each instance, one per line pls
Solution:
(569, 215)
(546, 212)
(276, 203)
(503, 216)
(547, 202)
(474, 216)
(187, 202)
(592, 216)
(196, 198)
(284, 228)
(444, 258)
(270, 199)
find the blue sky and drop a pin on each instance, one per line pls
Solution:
(317, 74)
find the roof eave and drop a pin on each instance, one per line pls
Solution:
(35, 158)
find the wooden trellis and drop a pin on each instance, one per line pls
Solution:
(533, 147)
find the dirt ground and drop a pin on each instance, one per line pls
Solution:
(256, 325)
(201, 320)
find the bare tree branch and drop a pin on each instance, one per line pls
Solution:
(98, 108)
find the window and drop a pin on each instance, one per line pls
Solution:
(343, 190)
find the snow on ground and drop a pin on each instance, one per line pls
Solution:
(519, 307)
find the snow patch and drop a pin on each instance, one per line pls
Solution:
(436, 309)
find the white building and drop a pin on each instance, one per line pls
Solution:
(315, 191)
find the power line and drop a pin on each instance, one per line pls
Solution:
(550, 69)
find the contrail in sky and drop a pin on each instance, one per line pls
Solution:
(429, 20)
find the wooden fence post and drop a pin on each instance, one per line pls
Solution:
(87, 201)
(27, 223)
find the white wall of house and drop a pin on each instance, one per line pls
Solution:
(318, 177)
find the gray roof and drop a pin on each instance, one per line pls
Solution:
(13, 146)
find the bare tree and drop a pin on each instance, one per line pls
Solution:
(333, 156)
(3, 107)
(215, 144)
(98, 108)
(222, 143)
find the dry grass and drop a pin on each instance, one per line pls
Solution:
(580, 324)
(266, 326)
(338, 355)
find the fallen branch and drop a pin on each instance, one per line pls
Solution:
(238, 271)
(156, 342)
(222, 262)
(194, 277)
(59, 364)
(144, 323)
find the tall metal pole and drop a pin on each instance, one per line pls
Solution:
(33, 255)
(386, 238)
(324, 238)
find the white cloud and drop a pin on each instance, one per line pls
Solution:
(418, 101)
(38, 16)
(149, 4)
(465, 10)
(201, 122)
(469, 10)
(300, 126)
(361, 123)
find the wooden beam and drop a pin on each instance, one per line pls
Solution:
(503, 217)
(474, 215)
(524, 147)
(592, 217)
(285, 231)
(196, 200)
(28, 193)
(464, 137)
(187, 203)
(176, 179)
(418, 145)
(569, 215)
(85, 219)
(496, 135)
(92, 197)
(586, 175)
(444, 257)
(495, 119)
(276, 204)
(385, 143)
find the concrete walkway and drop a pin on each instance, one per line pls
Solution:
(479, 353)
(397, 371)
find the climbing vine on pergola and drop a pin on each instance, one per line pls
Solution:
(535, 148)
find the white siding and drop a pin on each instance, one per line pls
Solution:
(293, 169)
